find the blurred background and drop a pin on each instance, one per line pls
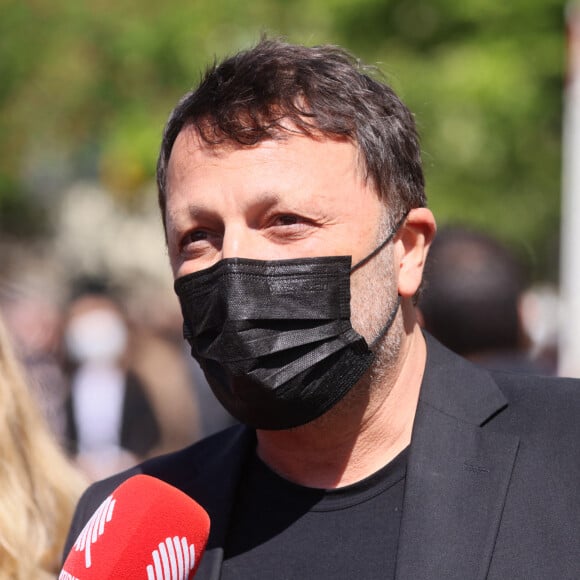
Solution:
(86, 87)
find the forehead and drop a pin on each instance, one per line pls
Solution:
(292, 158)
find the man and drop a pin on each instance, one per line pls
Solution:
(292, 195)
(473, 304)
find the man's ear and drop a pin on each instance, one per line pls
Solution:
(411, 248)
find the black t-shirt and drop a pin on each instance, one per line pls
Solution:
(284, 531)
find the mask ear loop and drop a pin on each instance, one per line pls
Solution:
(362, 262)
(381, 245)
(387, 324)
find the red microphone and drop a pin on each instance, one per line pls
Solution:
(145, 529)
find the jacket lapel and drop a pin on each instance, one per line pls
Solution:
(217, 494)
(458, 473)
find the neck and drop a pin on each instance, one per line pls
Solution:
(361, 434)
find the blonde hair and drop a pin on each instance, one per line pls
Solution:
(39, 487)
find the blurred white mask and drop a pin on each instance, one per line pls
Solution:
(96, 336)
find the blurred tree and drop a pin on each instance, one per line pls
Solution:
(86, 88)
(485, 80)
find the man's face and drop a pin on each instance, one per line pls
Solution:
(293, 198)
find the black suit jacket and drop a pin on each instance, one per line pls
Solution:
(492, 488)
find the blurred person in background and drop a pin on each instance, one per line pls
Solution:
(111, 421)
(34, 323)
(130, 394)
(472, 300)
(38, 485)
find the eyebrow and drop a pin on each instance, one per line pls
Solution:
(195, 210)
(192, 210)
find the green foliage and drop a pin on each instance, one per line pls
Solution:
(87, 86)
(485, 81)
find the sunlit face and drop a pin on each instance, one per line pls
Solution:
(293, 198)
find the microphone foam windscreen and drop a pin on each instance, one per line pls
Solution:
(145, 529)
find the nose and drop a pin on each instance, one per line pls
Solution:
(242, 242)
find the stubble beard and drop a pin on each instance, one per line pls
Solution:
(373, 301)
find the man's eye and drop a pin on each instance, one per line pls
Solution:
(288, 226)
(193, 242)
(194, 236)
(288, 220)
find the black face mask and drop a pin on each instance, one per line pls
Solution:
(274, 338)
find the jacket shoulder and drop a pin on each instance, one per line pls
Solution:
(546, 406)
(180, 469)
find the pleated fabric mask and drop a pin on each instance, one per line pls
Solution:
(274, 338)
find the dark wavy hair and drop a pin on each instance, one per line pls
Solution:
(275, 88)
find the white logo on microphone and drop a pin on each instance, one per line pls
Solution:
(173, 560)
(64, 575)
(94, 529)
